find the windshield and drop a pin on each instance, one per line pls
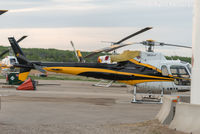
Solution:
(189, 67)
(179, 71)
(12, 61)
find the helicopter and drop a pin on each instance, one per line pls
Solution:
(125, 71)
(6, 64)
(148, 58)
(159, 61)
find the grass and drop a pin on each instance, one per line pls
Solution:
(63, 77)
(59, 77)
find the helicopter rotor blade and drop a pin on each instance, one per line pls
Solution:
(154, 43)
(3, 11)
(39, 68)
(134, 34)
(96, 52)
(3, 53)
(114, 47)
(118, 44)
(108, 49)
(22, 38)
(164, 44)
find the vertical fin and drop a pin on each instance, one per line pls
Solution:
(24, 72)
(17, 50)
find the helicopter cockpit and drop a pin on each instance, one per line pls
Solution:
(181, 72)
(13, 61)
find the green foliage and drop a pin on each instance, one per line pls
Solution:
(53, 55)
(63, 77)
(186, 59)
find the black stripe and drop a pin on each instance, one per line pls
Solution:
(127, 66)
(112, 76)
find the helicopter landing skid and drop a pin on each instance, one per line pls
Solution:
(103, 83)
(148, 98)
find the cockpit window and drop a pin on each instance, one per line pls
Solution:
(189, 67)
(12, 61)
(179, 71)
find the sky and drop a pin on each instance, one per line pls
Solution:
(54, 23)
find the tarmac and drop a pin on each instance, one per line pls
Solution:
(76, 107)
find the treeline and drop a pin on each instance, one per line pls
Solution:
(186, 59)
(55, 55)
(52, 55)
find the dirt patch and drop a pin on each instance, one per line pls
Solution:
(148, 127)
(95, 101)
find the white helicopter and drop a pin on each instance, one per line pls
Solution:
(6, 64)
(158, 60)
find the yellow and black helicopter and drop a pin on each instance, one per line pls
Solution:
(128, 72)
(148, 58)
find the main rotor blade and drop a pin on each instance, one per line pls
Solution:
(96, 52)
(3, 53)
(72, 44)
(114, 47)
(3, 11)
(134, 34)
(117, 45)
(39, 68)
(108, 49)
(163, 44)
(22, 38)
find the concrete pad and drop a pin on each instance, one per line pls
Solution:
(72, 107)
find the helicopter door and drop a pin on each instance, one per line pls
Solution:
(183, 77)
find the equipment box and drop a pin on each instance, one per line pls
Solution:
(12, 78)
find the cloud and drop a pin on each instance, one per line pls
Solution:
(53, 23)
(25, 10)
(88, 39)
(60, 5)
(161, 3)
(97, 13)
(79, 5)
(91, 16)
